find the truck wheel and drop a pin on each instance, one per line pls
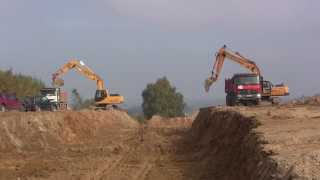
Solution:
(23, 109)
(53, 108)
(227, 101)
(275, 101)
(232, 100)
(37, 109)
(2, 108)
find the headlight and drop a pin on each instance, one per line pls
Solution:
(240, 87)
(259, 95)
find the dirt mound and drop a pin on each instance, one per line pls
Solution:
(234, 143)
(293, 135)
(312, 100)
(229, 147)
(43, 131)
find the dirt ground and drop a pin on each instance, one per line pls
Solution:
(293, 136)
(279, 142)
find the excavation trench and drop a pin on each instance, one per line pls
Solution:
(218, 144)
(229, 147)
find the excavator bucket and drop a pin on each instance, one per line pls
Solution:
(58, 82)
(208, 83)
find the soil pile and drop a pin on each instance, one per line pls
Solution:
(234, 143)
(292, 134)
(229, 147)
(312, 100)
(43, 131)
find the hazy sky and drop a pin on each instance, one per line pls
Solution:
(133, 42)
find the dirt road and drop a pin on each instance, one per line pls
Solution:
(221, 143)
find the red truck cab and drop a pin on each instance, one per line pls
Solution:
(244, 89)
(9, 102)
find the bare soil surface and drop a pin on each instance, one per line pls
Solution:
(272, 142)
(292, 134)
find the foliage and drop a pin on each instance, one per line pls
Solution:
(162, 99)
(19, 84)
(76, 99)
(78, 102)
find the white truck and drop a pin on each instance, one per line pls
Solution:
(58, 99)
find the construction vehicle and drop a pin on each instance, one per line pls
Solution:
(49, 99)
(41, 103)
(103, 99)
(244, 88)
(52, 98)
(9, 102)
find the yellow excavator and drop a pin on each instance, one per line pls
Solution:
(244, 87)
(103, 99)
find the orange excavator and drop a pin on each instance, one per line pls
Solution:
(103, 99)
(243, 87)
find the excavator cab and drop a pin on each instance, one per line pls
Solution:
(266, 88)
(103, 99)
(100, 95)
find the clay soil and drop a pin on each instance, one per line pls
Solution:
(272, 142)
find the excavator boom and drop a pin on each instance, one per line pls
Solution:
(268, 90)
(102, 97)
(81, 68)
(222, 54)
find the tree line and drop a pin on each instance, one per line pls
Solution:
(19, 84)
(159, 98)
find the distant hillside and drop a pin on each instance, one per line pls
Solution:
(22, 85)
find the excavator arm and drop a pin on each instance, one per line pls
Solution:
(102, 97)
(222, 54)
(81, 68)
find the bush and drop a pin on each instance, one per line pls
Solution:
(162, 99)
(78, 103)
(19, 84)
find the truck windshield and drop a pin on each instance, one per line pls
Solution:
(11, 96)
(247, 80)
(48, 92)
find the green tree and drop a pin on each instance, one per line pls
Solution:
(162, 99)
(76, 99)
(19, 84)
(78, 102)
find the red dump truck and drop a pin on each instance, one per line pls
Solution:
(243, 88)
(250, 88)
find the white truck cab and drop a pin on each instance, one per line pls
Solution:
(56, 96)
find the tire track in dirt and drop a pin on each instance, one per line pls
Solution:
(108, 169)
(135, 164)
(148, 153)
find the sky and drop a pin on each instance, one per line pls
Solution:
(132, 43)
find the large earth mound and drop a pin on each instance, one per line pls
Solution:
(46, 130)
(229, 147)
(238, 143)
